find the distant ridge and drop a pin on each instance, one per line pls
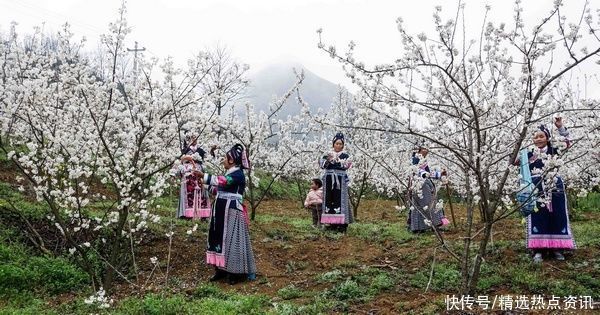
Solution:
(277, 79)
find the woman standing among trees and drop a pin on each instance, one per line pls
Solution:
(190, 190)
(336, 204)
(192, 149)
(229, 248)
(548, 228)
(422, 195)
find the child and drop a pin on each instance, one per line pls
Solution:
(314, 201)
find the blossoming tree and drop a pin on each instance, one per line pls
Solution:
(71, 127)
(478, 101)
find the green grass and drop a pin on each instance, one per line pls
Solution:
(348, 290)
(318, 305)
(330, 276)
(290, 292)
(359, 287)
(380, 232)
(10, 197)
(27, 306)
(281, 188)
(20, 272)
(446, 278)
(586, 233)
(589, 203)
(382, 282)
(489, 278)
(207, 299)
(266, 218)
(27, 283)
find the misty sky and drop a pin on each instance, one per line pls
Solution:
(260, 32)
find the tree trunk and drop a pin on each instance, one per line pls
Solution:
(300, 190)
(472, 285)
(115, 251)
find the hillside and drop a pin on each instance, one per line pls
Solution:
(276, 79)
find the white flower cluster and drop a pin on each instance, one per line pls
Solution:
(189, 232)
(99, 299)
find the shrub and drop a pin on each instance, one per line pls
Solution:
(289, 292)
(348, 290)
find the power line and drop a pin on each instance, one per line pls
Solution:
(43, 14)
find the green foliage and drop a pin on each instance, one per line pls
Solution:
(330, 276)
(21, 273)
(526, 278)
(14, 279)
(27, 305)
(215, 306)
(586, 233)
(589, 203)
(290, 292)
(320, 305)
(209, 291)
(489, 278)
(278, 234)
(280, 189)
(446, 277)
(154, 304)
(382, 282)
(303, 224)
(374, 281)
(348, 290)
(10, 197)
(379, 232)
(57, 275)
(207, 299)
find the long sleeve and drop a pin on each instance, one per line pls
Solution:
(319, 194)
(314, 197)
(341, 162)
(221, 180)
(323, 162)
(307, 200)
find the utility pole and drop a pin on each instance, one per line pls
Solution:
(135, 51)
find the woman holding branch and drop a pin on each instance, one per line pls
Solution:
(548, 227)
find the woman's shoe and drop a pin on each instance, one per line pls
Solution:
(234, 278)
(219, 274)
(537, 258)
(559, 256)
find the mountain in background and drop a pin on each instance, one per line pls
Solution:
(277, 79)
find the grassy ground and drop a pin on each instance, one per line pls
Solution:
(378, 267)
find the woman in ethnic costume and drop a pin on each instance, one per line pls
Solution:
(190, 191)
(336, 204)
(423, 214)
(548, 228)
(229, 248)
(191, 148)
